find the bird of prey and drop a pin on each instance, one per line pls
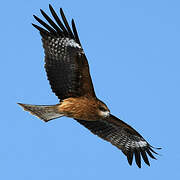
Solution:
(68, 73)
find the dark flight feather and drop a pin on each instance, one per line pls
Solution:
(66, 23)
(42, 31)
(123, 137)
(75, 32)
(45, 25)
(65, 62)
(58, 20)
(58, 30)
(129, 157)
(144, 156)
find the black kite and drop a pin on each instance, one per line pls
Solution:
(68, 73)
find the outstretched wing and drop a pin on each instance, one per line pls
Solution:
(65, 62)
(123, 137)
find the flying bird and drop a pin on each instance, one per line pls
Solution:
(67, 70)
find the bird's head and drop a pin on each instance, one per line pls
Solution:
(103, 110)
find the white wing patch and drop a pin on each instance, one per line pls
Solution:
(73, 43)
(140, 144)
(135, 144)
(58, 46)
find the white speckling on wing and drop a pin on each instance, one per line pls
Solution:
(142, 143)
(73, 43)
(133, 144)
(128, 144)
(58, 46)
(137, 144)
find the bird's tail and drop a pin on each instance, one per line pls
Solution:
(46, 113)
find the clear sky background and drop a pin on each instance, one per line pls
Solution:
(133, 48)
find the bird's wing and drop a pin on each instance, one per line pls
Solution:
(65, 62)
(123, 137)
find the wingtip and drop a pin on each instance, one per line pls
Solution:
(35, 17)
(62, 12)
(152, 147)
(138, 164)
(129, 156)
(73, 22)
(150, 154)
(41, 11)
(129, 162)
(158, 148)
(51, 8)
(137, 157)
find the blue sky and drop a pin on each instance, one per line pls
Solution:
(133, 51)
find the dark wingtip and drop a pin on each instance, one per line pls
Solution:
(72, 21)
(137, 158)
(144, 156)
(34, 16)
(152, 147)
(50, 29)
(142, 153)
(42, 12)
(34, 25)
(150, 154)
(50, 7)
(158, 148)
(61, 10)
(75, 31)
(130, 157)
(42, 31)
(66, 23)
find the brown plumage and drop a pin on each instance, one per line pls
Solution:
(68, 73)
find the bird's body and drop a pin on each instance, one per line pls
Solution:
(68, 73)
(83, 108)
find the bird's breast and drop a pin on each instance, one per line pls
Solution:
(79, 108)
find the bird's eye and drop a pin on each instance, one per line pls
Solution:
(102, 109)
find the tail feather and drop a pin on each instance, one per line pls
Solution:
(44, 112)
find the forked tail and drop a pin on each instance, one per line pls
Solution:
(44, 112)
